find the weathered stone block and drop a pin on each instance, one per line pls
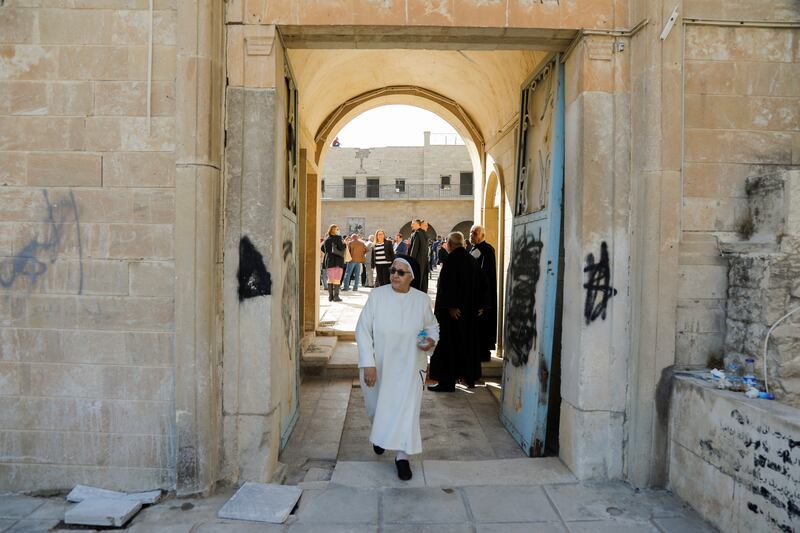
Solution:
(745, 304)
(41, 133)
(149, 348)
(702, 281)
(153, 206)
(17, 25)
(13, 169)
(64, 170)
(93, 62)
(72, 26)
(132, 27)
(152, 279)
(735, 333)
(23, 98)
(69, 98)
(126, 313)
(139, 169)
(129, 98)
(29, 62)
(140, 241)
(747, 44)
(748, 272)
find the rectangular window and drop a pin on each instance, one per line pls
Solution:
(373, 188)
(445, 182)
(399, 185)
(465, 187)
(349, 188)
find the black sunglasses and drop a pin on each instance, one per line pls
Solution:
(398, 271)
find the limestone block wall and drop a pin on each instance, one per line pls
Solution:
(87, 211)
(417, 164)
(741, 117)
(391, 215)
(735, 460)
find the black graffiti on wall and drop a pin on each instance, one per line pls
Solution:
(289, 296)
(254, 280)
(598, 286)
(521, 334)
(765, 461)
(32, 261)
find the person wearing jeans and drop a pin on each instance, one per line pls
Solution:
(358, 251)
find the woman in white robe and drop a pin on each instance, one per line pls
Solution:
(392, 364)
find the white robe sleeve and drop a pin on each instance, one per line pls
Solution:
(364, 338)
(431, 324)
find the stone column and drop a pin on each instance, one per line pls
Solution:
(253, 266)
(656, 199)
(596, 246)
(199, 107)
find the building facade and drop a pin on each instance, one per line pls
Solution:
(366, 189)
(142, 170)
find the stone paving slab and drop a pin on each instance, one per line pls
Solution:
(612, 501)
(436, 528)
(517, 503)
(375, 474)
(423, 506)
(34, 525)
(261, 502)
(14, 506)
(102, 512)
(536, 471)
(539, 527)
(339, 505)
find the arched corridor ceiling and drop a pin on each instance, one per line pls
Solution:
(485, 83)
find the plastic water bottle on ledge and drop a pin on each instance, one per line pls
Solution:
(749, 376)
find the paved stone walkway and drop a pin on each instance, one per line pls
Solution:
(471, 478)
(490, 508)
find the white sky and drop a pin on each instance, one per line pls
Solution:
(395, 125)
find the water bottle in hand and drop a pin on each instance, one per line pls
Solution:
(422, 339)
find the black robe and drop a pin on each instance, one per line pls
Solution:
(461, 285)
(418, 249)
(487, 322)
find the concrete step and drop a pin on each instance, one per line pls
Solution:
(317, 351)
(344, 335)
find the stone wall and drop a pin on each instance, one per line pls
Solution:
(86, 245)
(735, 460)
(391, 215)
(415, 164)
(764, 284)
(740, 119)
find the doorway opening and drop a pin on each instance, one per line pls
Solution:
(331, 92)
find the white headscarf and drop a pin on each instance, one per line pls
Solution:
(410, 270)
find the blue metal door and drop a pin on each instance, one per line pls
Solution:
(532, 279)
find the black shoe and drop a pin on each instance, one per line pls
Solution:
(441, 388)
(377, 449)
(403, 469)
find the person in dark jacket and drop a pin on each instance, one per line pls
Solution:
(333, 261)
(460, 296)
(381, 257)
(483, 252)
(418, 249)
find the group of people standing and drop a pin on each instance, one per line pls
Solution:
(397, 328)
(344, 259)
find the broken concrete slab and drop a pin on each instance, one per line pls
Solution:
(537, 471)
(113, 512)
(85, 492)
(261, 502)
